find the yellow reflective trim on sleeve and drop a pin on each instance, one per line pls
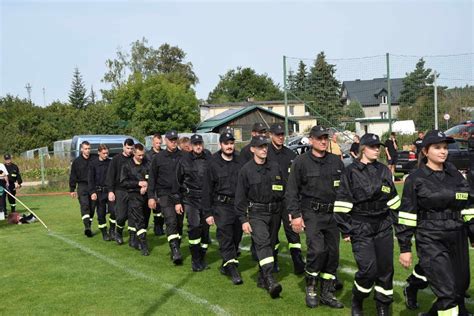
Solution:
(265, 261)
(362, 289)
(337, 182)
(277, 187)
(342, 207)
(343, 204)
(327, 276)
(467, 211)
(383, 291)
(407, 215)
(386, 189)
(141, 231)
(393, 201)
(118, 226)
(449, 312)
(315, 274)
(467, 218)
(407, 222)
(462, 196)
(294, 246)
(194, 241)
(174, 236)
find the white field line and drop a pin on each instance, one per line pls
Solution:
(216, 309)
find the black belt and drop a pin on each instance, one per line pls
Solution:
(433, 215)
(319, 207)
(265, 207)
(224, 199)
(369, 218)
(193, 193)
(371, 206)
(100, 189)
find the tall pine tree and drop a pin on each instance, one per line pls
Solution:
(78, 92)
(301, 79)
(416, 84)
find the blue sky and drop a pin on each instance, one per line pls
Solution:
(42, 41)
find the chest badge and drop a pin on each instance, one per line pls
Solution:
(277, 187)
(385, 189)
(337, 182)
(462, 196)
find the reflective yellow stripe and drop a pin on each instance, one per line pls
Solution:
(342, 207)
(294, 246)
(362, 289)
(467, 218)
(265, 261)
(277, 187)
(416, 275)
(158, 215)
(394, 203)
(118, 226)
(194, 241)
(467, 211)
(86, 216)
(315, 274)
(407, 222)
(230, 261)
(112, 221)
(133, 229)
(449, 312)
(383, 291)
(327, 276)
(205, 246)
(343, 204)
(141, 231)
(407, 215)
(102, 225)
(174, 236)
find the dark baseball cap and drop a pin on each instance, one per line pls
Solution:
(370, 139)
(435, 136)
(258, 141)
(171, 134)
(7, 157)
(196, 138)
(318, 131)
(226, 136)
(259, 127)
(277, 129)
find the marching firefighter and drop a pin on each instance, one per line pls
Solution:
(79, 178)
(435, 208)
(98, 190)
(363, 210)
(258, 198)
(311, 192)
(278, 152)
(118, 196)
(187, 193)
(160, 185)
(14, 180)
(220, 182)
(133, 179)
(158, 219)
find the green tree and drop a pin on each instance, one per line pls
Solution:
(416, 84)
(351, 112)
(78, 92)
(92, 96)
(239, 84)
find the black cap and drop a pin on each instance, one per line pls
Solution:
(171, 134)
(226, 136)
(318, 131)
(258, 141)
(435, 136)
(259, 127)
(7, 157)
(277, 129)
(370, 139)
(196, 138)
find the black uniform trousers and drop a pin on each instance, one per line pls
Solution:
(198, 229)
(293, 238)
(444, 258)
(173, 221)
(228, 232)
(372, 246)
(264, 223)
(87, 206)
(139, 213)
(122, 210)
(11, 200)
(104, 206)
(322, 240)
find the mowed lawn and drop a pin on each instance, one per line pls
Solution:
(63, 272)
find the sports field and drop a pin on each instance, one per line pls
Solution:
(64, 272)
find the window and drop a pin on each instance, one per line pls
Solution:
(384, 115)
(384, 99)
(292, 110)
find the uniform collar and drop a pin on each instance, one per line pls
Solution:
(222, 160)
(266, 165)
(447, 168)
(318, 159)
(360, 165)
(276, 150)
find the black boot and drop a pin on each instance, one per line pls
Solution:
(337, 284)
(112, 231)
(105, 235)
(312, 299)
(357, 306)
(132, 241)
(410, 293)
(87, 227)
(261, 280)
(276, 267)
(203, 257)
(143, 244)
(196, 258)
(298, 261)
(158, 222)
(382, 309)
(274, 288)
(118, 235)
(234, 273)
(327, 296)
(175, 252)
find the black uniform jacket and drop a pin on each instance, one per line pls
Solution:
(365, 191)
(113, 173)
(245, 155)
(220, 179)
(429, 199)
(79, 172)
(97, 175)
(149, 156)
(131, 174)
(190, 172)
(163, 172)
(13, 174)
(284, 157)
(261, 184)
(312, 179)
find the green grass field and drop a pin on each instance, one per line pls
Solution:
(63, 272)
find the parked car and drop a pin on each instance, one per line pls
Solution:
(407, 161)
(300, 149)
(461, 131)
(113, 142)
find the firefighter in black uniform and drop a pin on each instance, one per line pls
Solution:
(364, 212)
(258, 198)
(158, 218)
(310, 194)
(79, 177)
(218, 197)
(160, 185)
(435, 207)
(133, 179)
(187, 192)
(98, 190)
(118, 196)
(258, 129)
(14, 180)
